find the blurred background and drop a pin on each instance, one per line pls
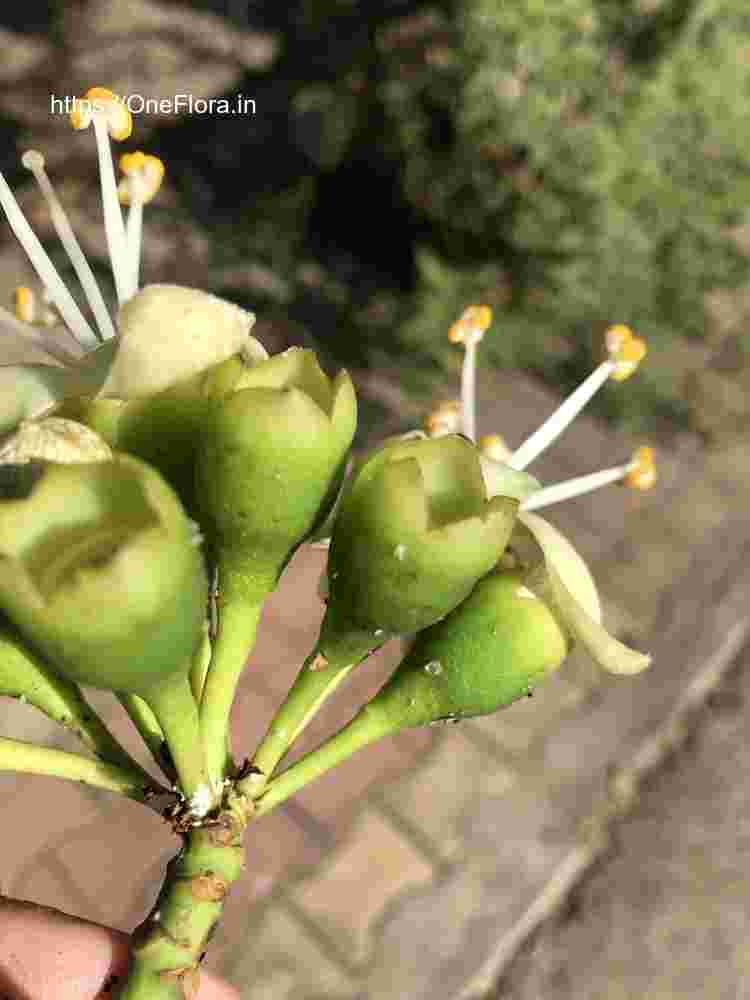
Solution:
(572, 165)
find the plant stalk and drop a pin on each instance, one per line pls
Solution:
(173, 705)
(151, 732)
(28, 758)
(365, 728)
(315, 683)
(168, 947)
(239, 605)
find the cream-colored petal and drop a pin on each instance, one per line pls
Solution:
(169, 333)
(569, 588)
(555, 548)
(609, 653)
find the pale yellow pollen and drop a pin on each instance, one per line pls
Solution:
(494, 447)
(471, 325)
(642, 471)
(25, 304)
(626, 351)
(100, 101)
(143, 170)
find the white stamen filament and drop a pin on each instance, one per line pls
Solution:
(576, 487)
(553, 427)
(468, 387)
(41, 338)
(113, 224)
(34, 162)
(134, 233)
(45, 269)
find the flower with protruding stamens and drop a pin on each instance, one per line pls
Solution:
(161, 336)
(549, 565)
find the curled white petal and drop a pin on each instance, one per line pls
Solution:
(569, 587)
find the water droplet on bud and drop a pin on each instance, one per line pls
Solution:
(400, 552)
(434, 667)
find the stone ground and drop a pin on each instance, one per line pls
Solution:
(421, 867)
(665, 914)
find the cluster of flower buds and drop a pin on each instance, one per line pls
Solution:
(177, 447)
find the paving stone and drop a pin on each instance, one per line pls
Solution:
(94, 856)
(289, 623)
(278, 958)
(336, 798)
(436, 798)
(372, 870)
(277, 849)
(252, 712)
(39, 811)
(24, 722)
(665, 914)
(527, 721)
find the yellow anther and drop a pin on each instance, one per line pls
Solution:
(444, 419)
(25, 304)
(471, 325)
(626, 351)
(642, 474)
(494, 447)
(100, 101)
(144, 170)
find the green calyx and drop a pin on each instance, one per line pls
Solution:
(100, 571)
(494, 648)
(272, 460)
(414, 534)
(162, 429)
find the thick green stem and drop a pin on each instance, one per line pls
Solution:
(365, 728)
(239, 605)
(315, 683)
(151, 732)
(174, 707)
(167, 948)
(28, 758)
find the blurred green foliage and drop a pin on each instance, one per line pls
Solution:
(572, 163)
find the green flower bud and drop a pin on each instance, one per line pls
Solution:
(154, 403)
(269, 468)
(270, 465)
(494, 648)
(100, 572)
(414, 534)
